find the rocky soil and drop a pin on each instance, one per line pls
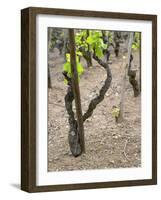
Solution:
(108, 144)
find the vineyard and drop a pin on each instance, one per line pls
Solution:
(105, 131)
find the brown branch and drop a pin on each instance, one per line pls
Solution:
(69, 97)
(132, 80)
(73, 137)
(102, 91)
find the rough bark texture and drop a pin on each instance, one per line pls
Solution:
(102, 91)
(132, 80)
(73, 137)
(49, 79)
(117, 37)
(87, 57)
(106, 52)
(89, 54)
(49, 47)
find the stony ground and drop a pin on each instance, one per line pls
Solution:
(108, 145)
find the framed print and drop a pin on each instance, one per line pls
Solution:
(88, 99)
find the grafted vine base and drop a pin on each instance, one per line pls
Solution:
(73, 137)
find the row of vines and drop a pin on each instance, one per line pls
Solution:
(94, 46)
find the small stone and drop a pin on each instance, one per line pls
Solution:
(70, 154)
(103, 127)
(116, 94)
(112, 161)
(56, 128)
(104, 113)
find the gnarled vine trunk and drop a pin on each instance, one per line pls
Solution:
(132, 79)
(102, 91)
(49, 78)
(117, 37)
(73, 137)
(87, 57)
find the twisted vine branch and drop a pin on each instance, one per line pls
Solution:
(73, 137)
(102, 91)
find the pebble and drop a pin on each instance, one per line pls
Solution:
(88, 120)
(116, 94)
(112, 161)
(115, 137)
(103, 127)
(56, 128)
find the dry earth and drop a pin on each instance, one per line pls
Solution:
(108, 145)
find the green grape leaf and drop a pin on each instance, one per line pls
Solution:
(89, 40)
(67, 57)
(80, 68)
(79, 53)
(104, 46)
(99, 52)
(67, 68)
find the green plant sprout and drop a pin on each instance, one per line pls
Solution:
(67, 67)
(136, 41)
(115, 111)
(90, 41)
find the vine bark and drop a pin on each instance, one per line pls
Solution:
(73, 137)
